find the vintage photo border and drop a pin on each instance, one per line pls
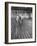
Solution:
(6, 22)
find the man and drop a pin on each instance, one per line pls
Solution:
(19, 20)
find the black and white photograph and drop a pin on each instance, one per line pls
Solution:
(20, 23)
